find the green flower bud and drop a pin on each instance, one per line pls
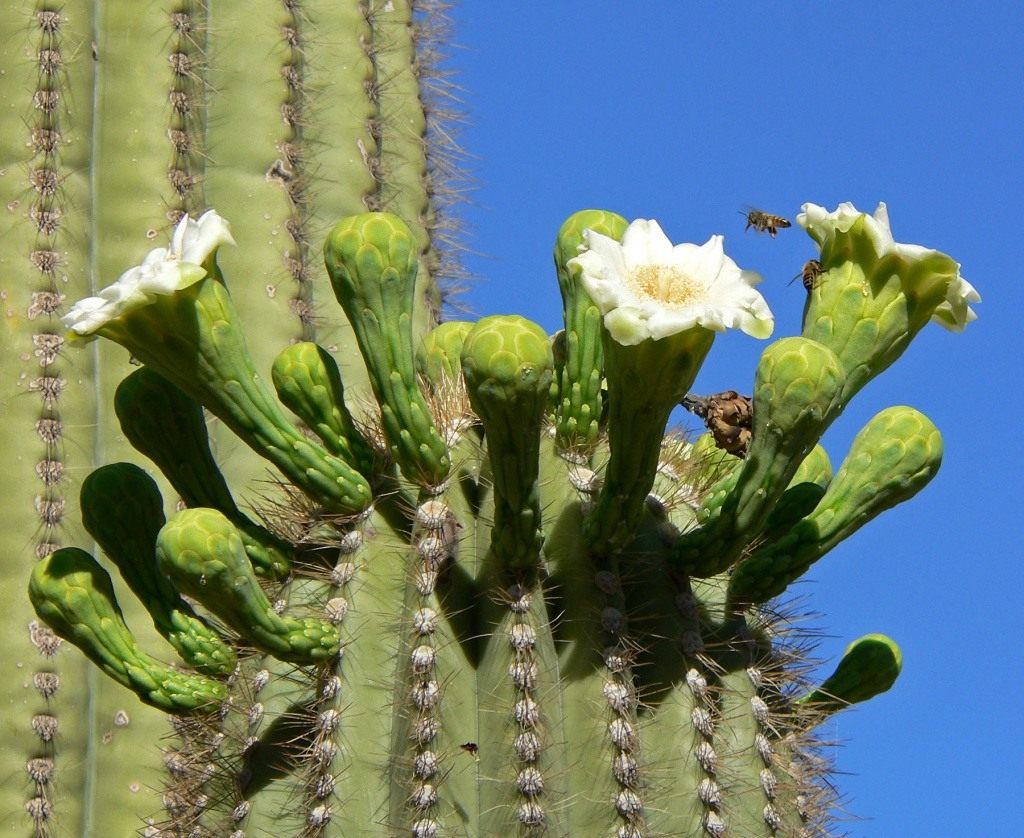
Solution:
(870, 665)
(73, 595)
(169, 427)
(372, 262)
(507, 365)
(439, 353)
(877, 293)
(122, 509)
(796, 397)
(814, 468)
(308, 382)
(892, 458)
(201, 553)
(579, 406)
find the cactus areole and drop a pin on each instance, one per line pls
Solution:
(344, 571)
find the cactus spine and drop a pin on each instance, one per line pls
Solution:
(442, 619)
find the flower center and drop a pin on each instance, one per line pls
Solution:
(665, 284)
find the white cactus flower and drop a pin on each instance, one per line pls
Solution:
(646, 287)
(163, 271)
(821, 225)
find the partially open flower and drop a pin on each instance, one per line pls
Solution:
(955, 313)
(163, 271)
(646, 287)
(835, 231)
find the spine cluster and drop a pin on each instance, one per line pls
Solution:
(186, 97)
(47, 207)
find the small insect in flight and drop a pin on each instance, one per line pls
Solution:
(810, 273)
(765, 222)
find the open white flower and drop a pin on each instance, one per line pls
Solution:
(646, 287)
(163, 271)
(953, 314)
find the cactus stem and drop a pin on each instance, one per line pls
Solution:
(49, 203)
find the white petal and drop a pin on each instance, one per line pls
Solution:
(603, 255)
(882, 217)
(955, 313)
(163, 271)
(182, 231)
(86, 315)
(627, 325)
(204, 236)
(644, 243)
(704, 262)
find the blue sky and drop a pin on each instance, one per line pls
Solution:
(687, 112)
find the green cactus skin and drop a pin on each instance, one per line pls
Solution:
(286, 116)
(546, 620)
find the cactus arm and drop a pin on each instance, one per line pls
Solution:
(400, 127)
(507, 367)
(758, 752)
(49, 257)
(583, 638)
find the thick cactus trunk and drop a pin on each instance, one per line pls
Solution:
(118, 117)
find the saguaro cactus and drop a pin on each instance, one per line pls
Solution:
(483, 592)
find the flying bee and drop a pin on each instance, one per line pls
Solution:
(809, 274)
(765, 222)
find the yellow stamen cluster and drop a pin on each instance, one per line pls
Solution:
(666, 284)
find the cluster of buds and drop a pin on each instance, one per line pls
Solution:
(641, 315)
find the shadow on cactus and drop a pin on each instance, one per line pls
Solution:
(502, 600)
